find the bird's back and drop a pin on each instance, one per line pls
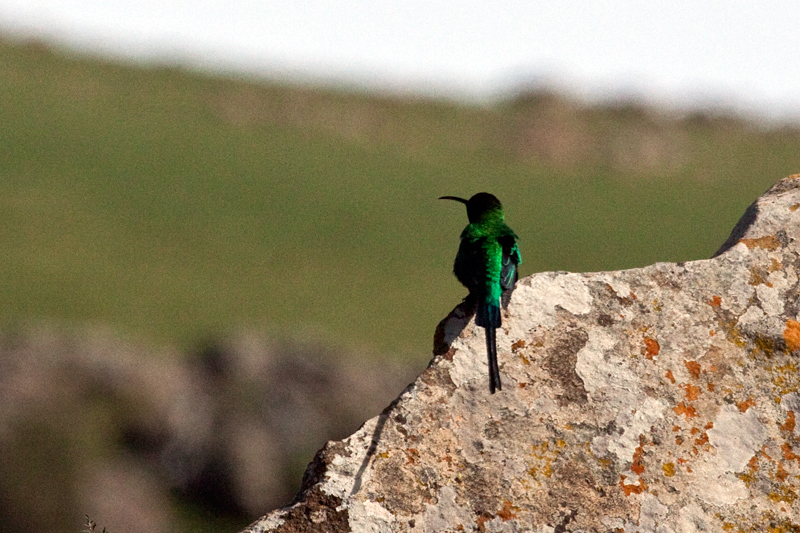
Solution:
(486, 260)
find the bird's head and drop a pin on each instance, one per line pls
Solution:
(479, 206)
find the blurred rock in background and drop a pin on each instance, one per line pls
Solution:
(138, 438)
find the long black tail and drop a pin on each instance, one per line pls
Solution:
(494, 370)
(487, 316)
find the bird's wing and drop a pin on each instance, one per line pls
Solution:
(511, 258)
(471, 262)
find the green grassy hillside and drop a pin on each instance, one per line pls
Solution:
(173, 205)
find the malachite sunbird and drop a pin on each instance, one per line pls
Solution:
(486, 264)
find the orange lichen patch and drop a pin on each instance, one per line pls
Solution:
(651, 347)
(412, 456)
(716, 301)
(758, 277)
(748, 477)
(679, 440)
(734, 336)
(783, 494)
(785, 377)
(780, 473)
(768, 242)
(632, 489)
(508, 511)
(780, 525)
(767, 345)
(745, 405)
(682, 461)
(669, 469)
(543, 456)
(791, 335)
(535, 472)
(525, 360)
(520, 344)
(686, 410)
(788, 454)
(693, 367)
(701, 440)
(789, 424)
(692, 391)
(763, 452)
(636, 465)
(710, 387)
(775, 266)
(794, 207)
(669, 376)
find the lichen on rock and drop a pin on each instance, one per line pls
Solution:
(661, 399)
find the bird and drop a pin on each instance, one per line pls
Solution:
(486, 264)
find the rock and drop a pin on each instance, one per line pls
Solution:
(658, 399)
(92, 423)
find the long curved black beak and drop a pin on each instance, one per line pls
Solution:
(456, 198)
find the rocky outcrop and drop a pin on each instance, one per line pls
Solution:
(661, 399)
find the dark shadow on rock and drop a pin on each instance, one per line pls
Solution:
(373, 446)
(740, 229)
(451, 326)
(376, 437)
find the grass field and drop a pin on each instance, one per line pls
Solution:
(173, 206)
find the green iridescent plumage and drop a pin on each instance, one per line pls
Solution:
(486, 264)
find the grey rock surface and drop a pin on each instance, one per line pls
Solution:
(658, 399)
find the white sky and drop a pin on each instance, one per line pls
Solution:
(739, 54)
